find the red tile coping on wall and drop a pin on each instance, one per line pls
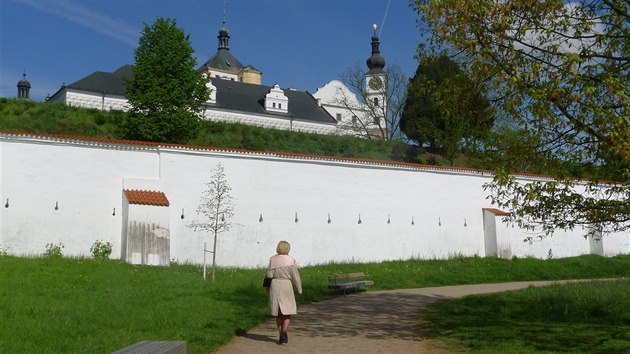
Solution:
(496, 211)
(207, 148)
(284, 154)
(135, 196)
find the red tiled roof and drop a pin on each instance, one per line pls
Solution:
(496, 211)
(135, 196)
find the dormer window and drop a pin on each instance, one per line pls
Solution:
(276, 101)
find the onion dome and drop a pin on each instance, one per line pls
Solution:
(224, 37)
(23, 87)
(24, 83)
(376, 62)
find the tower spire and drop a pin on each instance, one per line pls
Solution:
(224, 12)
(375, 62)
(224, 35)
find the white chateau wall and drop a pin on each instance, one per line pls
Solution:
(90, 100)
(216, 115)
(335, 97)
(87, 181)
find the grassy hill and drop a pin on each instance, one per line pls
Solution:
(35, 117)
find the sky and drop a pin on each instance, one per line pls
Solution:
(302, 44)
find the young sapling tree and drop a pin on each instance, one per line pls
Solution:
(215, 210)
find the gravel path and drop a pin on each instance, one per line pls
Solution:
(365, 323)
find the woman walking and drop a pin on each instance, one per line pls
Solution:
(283, 270)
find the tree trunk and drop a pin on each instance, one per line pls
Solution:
(214, 254)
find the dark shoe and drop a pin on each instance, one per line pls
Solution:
(280, 339)
(285, 337)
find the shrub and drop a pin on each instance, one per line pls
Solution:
(101, 250)
(53, 250)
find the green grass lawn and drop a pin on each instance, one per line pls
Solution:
(592, 317)
(63, 305)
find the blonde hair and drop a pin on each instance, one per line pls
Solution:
(283, 247)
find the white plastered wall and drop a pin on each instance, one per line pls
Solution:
(85, 182)
(87, 178)
(90, 100)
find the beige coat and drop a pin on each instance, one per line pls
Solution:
(283, 270)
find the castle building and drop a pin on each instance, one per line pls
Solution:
(237, 95)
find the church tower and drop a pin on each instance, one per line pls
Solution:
(376, 82)
(24, 88)
(224, 64)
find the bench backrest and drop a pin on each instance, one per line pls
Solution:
(345, 277)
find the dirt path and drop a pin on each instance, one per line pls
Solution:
(365, 323)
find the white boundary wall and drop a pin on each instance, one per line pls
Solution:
(86, 178)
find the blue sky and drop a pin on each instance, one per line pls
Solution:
(296, 43)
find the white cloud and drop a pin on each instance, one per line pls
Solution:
(78, 13)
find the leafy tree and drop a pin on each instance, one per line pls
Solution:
(444, 107)
(373, 121)
(165, 92)
(563, 69)
(215, 209)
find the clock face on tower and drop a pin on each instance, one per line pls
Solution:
(375, 83)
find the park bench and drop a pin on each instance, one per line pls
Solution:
(348, 281)
(155, 347)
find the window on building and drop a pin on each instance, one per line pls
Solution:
(280, 105)
(354, 120)
(274, 105)
(338, 117)
(376, 101)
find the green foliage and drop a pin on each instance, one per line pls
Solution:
(594, 315)
(166, 93)
(444, 107)
(53, 250)
(230, 135)
(509, 148)
(28, 116)
(101, 250)
(561, 71)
